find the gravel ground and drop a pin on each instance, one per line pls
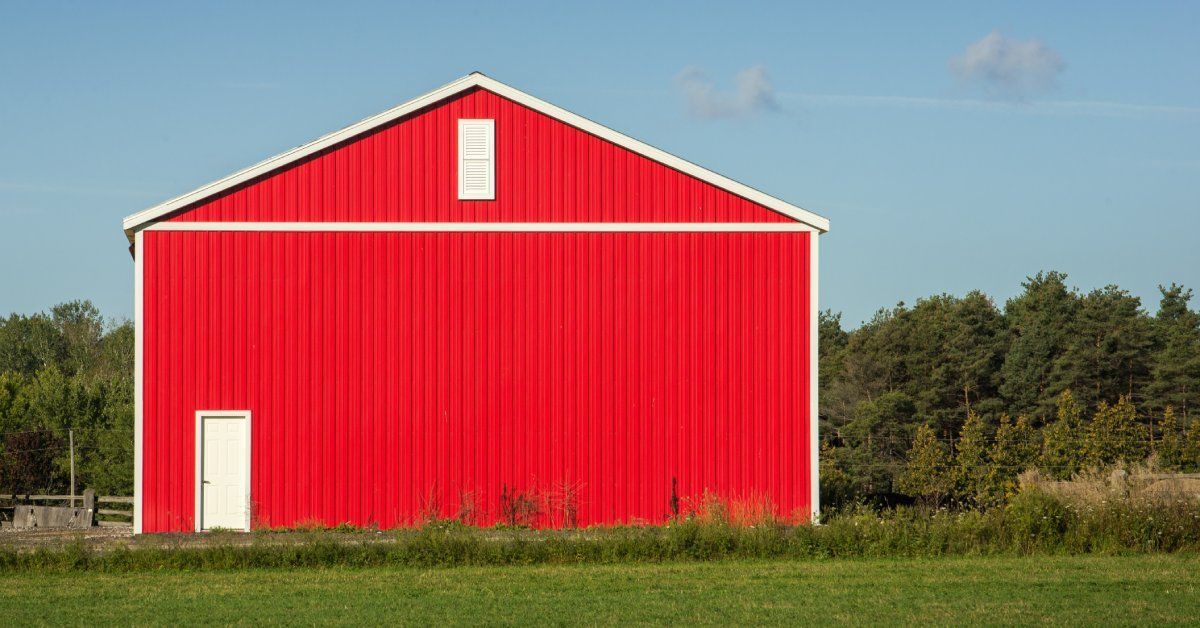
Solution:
(108, 538)
(102, 539)
(24, 539)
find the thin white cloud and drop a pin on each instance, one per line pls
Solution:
(1027, 107)
(752, 93)
(19, 211)
(55, 188)
(1008, 67)
(252, 86)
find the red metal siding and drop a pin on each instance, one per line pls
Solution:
(390, 374)
(546, 171)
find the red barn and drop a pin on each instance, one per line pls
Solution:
(473, 305)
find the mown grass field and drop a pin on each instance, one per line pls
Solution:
(1153, 589)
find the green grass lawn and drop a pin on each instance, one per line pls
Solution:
(1138, 589)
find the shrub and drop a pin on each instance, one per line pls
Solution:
(1036, 520)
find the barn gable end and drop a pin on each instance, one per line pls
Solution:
(473, 298)
(551, 166)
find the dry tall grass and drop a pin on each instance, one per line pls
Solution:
(1142, 483)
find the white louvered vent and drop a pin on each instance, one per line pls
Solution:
(476, 159)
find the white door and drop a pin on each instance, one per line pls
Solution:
(224, 471)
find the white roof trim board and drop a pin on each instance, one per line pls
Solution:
(135, 222)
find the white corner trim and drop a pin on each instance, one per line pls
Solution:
(813, 373)
(495, 227)
(198, 515)
(139, 388)
(136, 221)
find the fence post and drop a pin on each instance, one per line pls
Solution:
(71, 441)
(89, 507)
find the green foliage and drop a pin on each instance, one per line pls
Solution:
(1063, 454)
(1191, 448)
(928, 474)
(1069, 366)
(1175, 366)
(1039, 323)
(880, 433)
(941, 356)
(1170, 445)
(1114, 435)
(837, 486)
(64, 371)
(971, 462)
(1013, 451)
(1037, 520)
(1107, 352)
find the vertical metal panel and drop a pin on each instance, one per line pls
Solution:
(392, 375)
(546, 171)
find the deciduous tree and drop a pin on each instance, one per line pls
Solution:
(1064, 451)
(1114, 434)
(927, 475)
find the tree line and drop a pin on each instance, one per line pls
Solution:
(945, 400)
(66, 374)
(950, 399)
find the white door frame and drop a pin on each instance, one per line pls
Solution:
(229, 414)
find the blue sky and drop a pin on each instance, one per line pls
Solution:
(952, 145)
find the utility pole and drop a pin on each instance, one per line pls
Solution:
(71, 441)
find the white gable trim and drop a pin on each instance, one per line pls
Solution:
(489, 227)
(135, 222)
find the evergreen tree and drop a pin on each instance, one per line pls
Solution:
(857, 372)
(831, 351)
(837, 486)
(1039, 329)
(1175, 365)
(1107, 352)
(927, 475)
(956, 349)
(1063, 451)
(879, 435)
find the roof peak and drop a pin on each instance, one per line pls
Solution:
(139, 220)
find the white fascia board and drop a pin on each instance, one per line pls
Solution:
(136, 221)
(493, 227)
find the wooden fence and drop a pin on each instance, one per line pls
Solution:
(110, 510)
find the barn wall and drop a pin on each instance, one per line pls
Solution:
(546, 171)
(390, 374)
